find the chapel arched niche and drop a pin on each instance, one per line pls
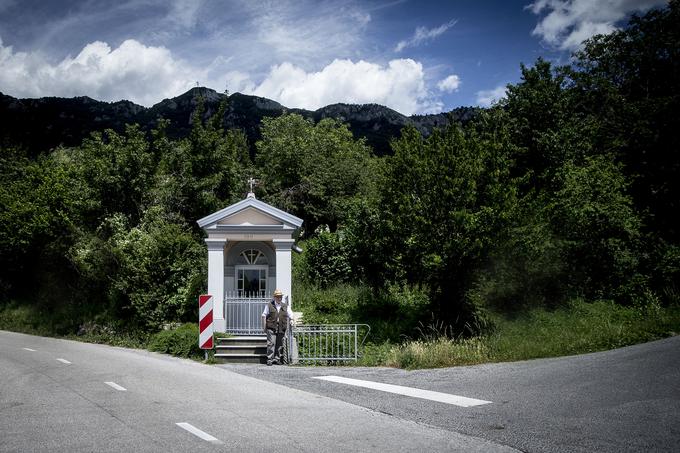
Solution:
(250, 268)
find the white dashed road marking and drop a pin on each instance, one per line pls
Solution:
(64, 361)
(29, 349)
(197, 432)
(115, 386)
(408, 391)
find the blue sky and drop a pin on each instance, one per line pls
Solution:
(413, 56)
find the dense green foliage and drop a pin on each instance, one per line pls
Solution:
(106, 231)
(180, 342)
(314, 171)
(565, 190)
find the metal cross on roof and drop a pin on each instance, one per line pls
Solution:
(252, 183)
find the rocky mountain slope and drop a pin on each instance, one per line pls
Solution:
(45, 123)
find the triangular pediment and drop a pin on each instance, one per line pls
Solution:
(250, 213)
(249, 216)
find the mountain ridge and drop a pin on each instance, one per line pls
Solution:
(42, 124)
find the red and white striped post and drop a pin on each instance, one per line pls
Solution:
(205, 322)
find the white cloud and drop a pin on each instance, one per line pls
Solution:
(400, 85)
(449, 84)
(237, 81)
(486, 98)
(145, 75)
(133, 71)
(568, 22)
(424, 34)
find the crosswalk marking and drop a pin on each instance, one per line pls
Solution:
(64, 361)
(408, 391)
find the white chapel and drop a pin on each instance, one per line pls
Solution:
(249, 256)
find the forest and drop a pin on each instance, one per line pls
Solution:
(565, 190)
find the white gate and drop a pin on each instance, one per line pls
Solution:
(243, 312)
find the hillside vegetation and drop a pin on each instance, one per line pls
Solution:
(558, 203)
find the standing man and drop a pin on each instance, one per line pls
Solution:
(275, 319)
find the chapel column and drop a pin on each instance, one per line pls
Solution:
(216, 280)
(284, 266)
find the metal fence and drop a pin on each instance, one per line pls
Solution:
(318, 344)
(327, 344)
(243, 312)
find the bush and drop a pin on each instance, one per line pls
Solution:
(180, 342)
(111, 332)
(326, 260)
(162, 268)
(23, 318)
(667, 273)
(375, 354)
(333, 305)
(392, 313)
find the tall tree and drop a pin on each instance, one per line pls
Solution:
(316, 171)
(447, 198)
(629, 81)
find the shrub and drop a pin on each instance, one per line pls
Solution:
(180, 342)
(326, 260)
(161, 269)
(23, 318)
(333, 305)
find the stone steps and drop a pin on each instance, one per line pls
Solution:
(242, 349)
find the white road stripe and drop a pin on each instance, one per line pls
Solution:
(115, 386)
(197, 432)
(64, 361)
(29, 349)
(408, 391)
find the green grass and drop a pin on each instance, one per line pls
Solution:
(25, 319)
(578, 328)
(181, 340)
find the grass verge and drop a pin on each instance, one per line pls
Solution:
(180, 341)
(578, 328)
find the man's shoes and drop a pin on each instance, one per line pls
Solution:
(276, 362)
(269, 363)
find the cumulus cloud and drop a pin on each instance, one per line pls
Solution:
(486, 98)
(400, 85)
(132, 71)
(145, 75)
(449, 84)
(567, 23)
(424, 34)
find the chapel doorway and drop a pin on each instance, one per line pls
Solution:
(252, 273)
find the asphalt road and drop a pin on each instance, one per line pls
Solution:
(65, 396)
(54, 396)
(624, 400)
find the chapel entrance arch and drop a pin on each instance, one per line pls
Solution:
(252, 273)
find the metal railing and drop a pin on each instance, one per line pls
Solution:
(327, 344)
(305, 343)
(243, 312)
